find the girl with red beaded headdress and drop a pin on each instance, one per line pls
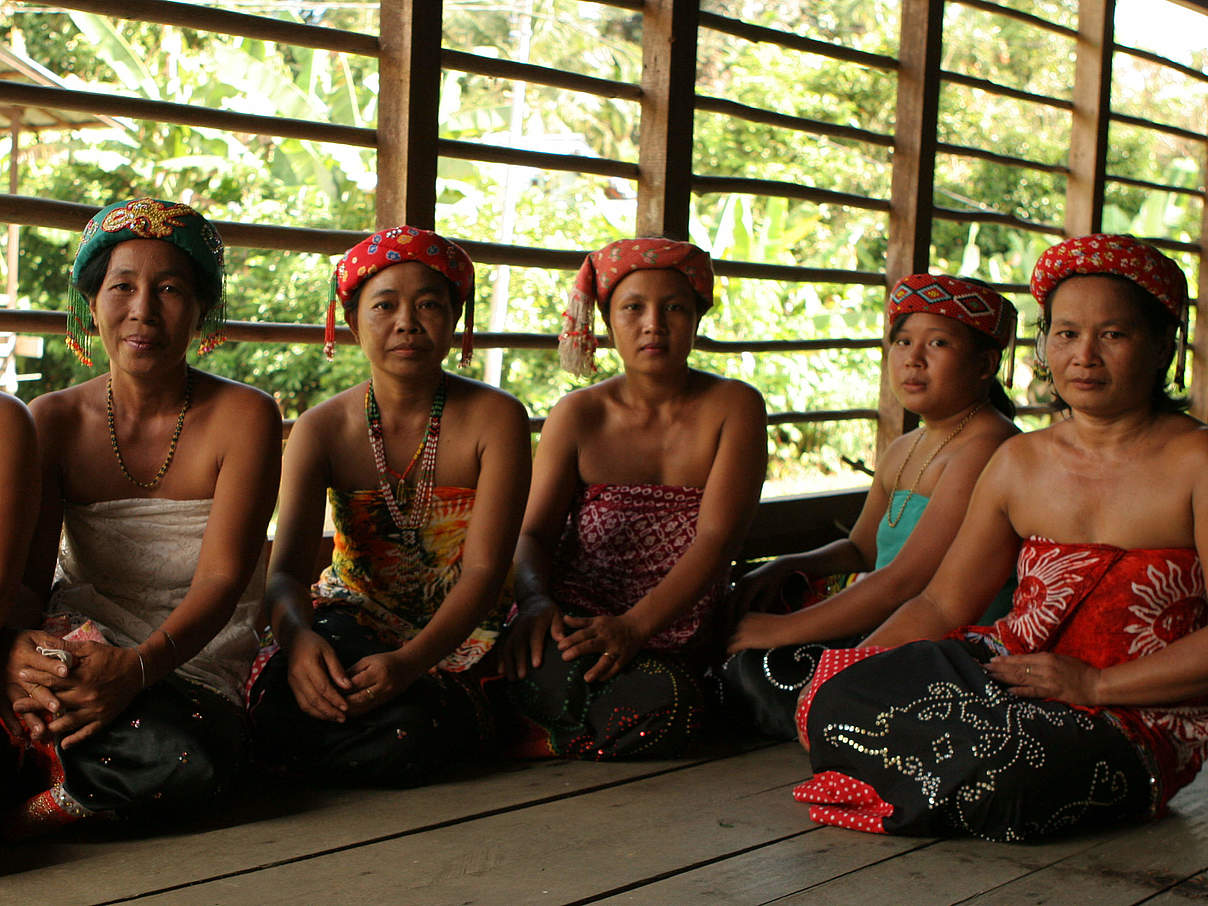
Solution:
(946, 337)
(129, 693)
(376, 669)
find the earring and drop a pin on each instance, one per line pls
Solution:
(1041, 368)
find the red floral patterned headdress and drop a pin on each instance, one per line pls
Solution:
(394, 246)
(1119, 256)
(602, 270)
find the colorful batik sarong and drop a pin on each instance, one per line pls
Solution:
(379, 593)
(921, 739)
(619, 543)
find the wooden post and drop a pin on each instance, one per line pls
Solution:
(1198, 341)
(913, 183)
(408, 106)
(1092, 112)
(12, 250)
(668, 101)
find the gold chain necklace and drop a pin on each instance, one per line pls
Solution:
(889, 516)
(180, 423)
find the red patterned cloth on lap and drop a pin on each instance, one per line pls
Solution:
(1105, 605)
(1101, 604)
(620, 541)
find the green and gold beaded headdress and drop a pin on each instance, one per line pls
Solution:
(149, 218)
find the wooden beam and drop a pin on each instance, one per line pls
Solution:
(408, 112)
(913, 184)
(668, 103)
(102, 103)
(11, 249)
(223, 22)
(1092, 115)
(1198, 341)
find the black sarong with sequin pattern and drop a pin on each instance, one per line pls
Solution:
(441, 719)
(654, 708)
(177, 746)
(952, 751)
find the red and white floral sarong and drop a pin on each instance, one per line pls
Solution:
(919, 739)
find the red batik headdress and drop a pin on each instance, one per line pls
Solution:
(394, 246)
(602, 270)
(1119, 256)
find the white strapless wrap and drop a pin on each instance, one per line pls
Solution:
(126, 564)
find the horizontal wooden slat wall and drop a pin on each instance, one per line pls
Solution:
(409, 147)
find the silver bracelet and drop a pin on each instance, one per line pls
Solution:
(142, 667)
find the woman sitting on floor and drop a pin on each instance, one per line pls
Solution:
(377, 679)
(643, 488)
(19, 493)
(946, 337)
(130, 691)
(1088, 703)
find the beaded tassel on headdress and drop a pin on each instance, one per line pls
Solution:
(1180, 359)
(79, 319)
(213, 334)
(577, 342)
(329, 327)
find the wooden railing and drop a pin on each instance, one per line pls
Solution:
(408, 146)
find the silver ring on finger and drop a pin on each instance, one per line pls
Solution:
(609, 655)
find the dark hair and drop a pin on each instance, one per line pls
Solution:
(982, 343)
(92, 275)
(1158, 322)
(355, 299)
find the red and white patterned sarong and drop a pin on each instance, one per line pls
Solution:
(620, 541)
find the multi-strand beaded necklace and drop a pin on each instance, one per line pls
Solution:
(180, 424)
(425, 454)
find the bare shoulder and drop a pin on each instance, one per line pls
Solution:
(57, 413)
(986, 435)
(486, 404)
(335, 415)
(1024, 451)
(730, 392)
(236, 400)
(585, 406)
(14, 416)
(1185, 442)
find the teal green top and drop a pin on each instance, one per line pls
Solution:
(891, 538)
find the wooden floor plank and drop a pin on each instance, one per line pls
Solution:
(561, 852)
(1193, 890)
(118, 864)
(774, 871)
(948, 871)
(1125, 867)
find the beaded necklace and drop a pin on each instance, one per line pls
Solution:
(889, 516)
(180, 423)
(425, 455)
